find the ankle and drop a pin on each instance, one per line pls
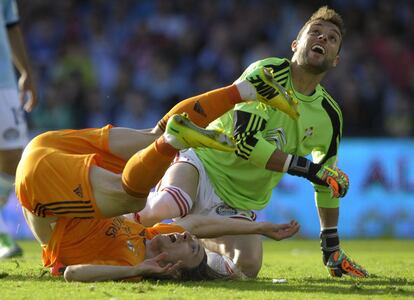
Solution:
(246, 90)
(168, 145)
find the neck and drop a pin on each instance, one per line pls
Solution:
(304, 81)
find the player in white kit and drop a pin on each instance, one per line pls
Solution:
(13, 127)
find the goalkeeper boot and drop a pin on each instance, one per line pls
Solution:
(181, 133)
(340, 264)
(270, 92)
(8, 247)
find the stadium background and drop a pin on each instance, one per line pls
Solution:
(126, 62)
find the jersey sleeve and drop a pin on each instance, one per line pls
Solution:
(249, 122)
(10, 12)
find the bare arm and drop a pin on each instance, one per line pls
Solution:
(90, 273)
(149, 267)
(277, 161)
(21, 61)
(211, 227)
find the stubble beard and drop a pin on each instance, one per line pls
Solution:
(313, 68)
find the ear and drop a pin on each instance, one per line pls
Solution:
(294, 45)
(336, 61)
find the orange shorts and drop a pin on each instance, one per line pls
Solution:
(52, 178)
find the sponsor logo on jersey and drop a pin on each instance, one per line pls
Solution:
(116, 225)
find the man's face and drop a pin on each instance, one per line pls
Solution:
(318, 46)
(179, 246)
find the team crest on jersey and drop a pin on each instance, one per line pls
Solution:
(131, 246)
(276, 136)
(308, 133)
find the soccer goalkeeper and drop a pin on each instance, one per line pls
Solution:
(269, 145)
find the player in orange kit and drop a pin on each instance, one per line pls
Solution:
(118, 248)
(97, 174)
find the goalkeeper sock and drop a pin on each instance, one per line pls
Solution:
(329, 242)
(205, 108)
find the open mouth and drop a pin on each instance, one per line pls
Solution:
(172, 238)
(318, 49)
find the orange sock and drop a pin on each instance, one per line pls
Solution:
(145, 168)
(205, 108)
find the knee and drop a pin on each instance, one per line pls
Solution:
(250, 267)
(132, 204)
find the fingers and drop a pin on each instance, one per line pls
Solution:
(161, 256)
(334, 187)
(29, 102)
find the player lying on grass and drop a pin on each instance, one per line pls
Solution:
(98, 173)
(118, 248)
(269, 145)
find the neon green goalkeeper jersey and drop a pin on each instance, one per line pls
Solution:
(240, 179)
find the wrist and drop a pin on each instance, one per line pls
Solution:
(137, 270)
(303, 167)
(264, 228)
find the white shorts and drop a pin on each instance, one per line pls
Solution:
(207, 201)
(13, 127)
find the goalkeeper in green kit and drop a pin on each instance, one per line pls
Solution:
(270, 143)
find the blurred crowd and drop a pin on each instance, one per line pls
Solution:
(127, 62)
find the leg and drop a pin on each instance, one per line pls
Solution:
(174, 195)
(110, 196)
(203, 109)
(125, 142)
(13, 137)
(246, 251)
(42, 228)
(145, 169)
(258, 86)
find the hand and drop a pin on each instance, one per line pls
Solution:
(280, 231)
(337, 180)
(340, 264)
(152, 267)
(28, 95)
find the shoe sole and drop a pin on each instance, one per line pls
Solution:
(195, 137)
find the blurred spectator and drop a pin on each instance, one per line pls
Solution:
(163, 51)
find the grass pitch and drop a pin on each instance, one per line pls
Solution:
(390, 263)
